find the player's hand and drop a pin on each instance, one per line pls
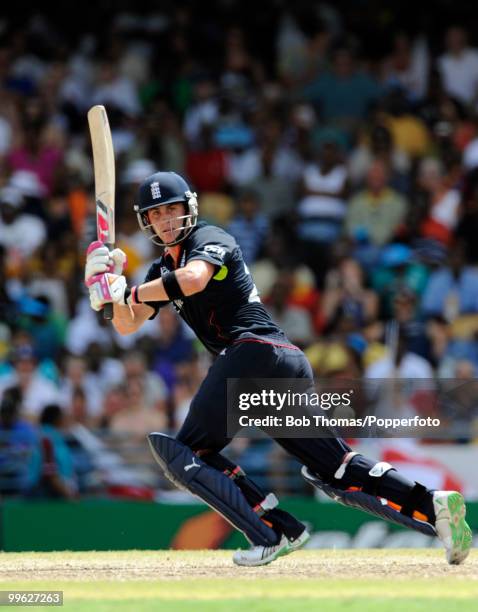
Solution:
(106, 288)
(100, 260)
(120, 261)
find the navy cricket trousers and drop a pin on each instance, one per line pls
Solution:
(205, 427)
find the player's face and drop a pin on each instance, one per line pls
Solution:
(167, 221)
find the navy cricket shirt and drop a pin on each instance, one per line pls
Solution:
(229, 307)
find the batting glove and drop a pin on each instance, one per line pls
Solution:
(106, 288)
(100, 260)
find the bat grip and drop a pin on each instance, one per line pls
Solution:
(108, 312)
(108, 308)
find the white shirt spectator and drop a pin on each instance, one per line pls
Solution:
(445, 211)
(121, 92)
(332, 183)
(39, 393)
(412, 76)
(84, 330)
(24, 235)
(397, 399)
(411, 366)
(19, 232)
(246, 166)
(204, 112)
(93, 391)
(460, 74)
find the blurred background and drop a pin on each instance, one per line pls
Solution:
(338, 143)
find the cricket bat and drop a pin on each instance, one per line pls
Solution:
(104, 167)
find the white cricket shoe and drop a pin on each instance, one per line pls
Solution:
(262, 555)
(450, 525)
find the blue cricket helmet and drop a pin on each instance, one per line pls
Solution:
(164, 188)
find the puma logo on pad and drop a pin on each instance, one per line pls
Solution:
(191, 465)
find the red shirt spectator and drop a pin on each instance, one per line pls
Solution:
(207, 166)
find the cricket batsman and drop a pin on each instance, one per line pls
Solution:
(202, 272)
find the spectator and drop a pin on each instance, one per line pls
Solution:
(392, 398)
(138, 417)
(247, 162)
(85, 328)
(378, 144)
(45, 327)
(78, 409)
(452, 290)
(189, 375)
(458, 66)
(117, 91)
(405, 313)
(78, 379)
(375, 214)
(50, 470)
(173, 346)
(53, 275)
(346, 293)
(205, 109)
(397, 271)
(322, 208)
(115, 401)
(154, 389)
(410, 134)
(275, 192)
(104, 369)
(302, 48)
(450, 345)
(294, 320)
(20, 233)
(408, 65)
(37, 391)
(17, 440)
(207, 165)
(249, 227)
(443, 198)
(34, 152)
(344, 94)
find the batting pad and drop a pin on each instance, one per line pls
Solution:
(368, 503)
(187, 471)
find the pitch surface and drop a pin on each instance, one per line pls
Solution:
(355, 580)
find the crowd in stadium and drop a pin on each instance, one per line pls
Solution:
(348, 178)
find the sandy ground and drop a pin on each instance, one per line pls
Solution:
(171, 565)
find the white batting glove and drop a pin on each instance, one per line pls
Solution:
(106, 288)
(120, 261)
(100, 260)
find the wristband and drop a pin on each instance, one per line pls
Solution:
(134, 295)
(131, 296)
(171, 286)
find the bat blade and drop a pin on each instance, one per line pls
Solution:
(104, 168)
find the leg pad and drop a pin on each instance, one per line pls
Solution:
(187, 471)
(368, 503)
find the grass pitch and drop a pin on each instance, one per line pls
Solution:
(345, 580)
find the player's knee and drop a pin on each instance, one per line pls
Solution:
(360, 471)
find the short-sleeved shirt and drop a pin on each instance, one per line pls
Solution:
(229, 308)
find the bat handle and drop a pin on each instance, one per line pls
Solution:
(108, 308)
(108, 312)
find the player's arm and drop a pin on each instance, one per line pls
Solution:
(191, 279)
(130, 309)
(123, 320)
